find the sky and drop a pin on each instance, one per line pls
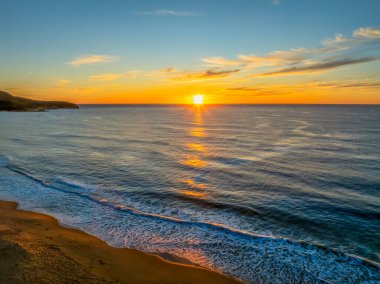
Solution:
(167, 51)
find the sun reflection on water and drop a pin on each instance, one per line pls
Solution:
(194, 186)
(199, 147)
(197, 132)
(195, 162)
(193, 193)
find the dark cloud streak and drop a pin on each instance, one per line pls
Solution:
(321, 66)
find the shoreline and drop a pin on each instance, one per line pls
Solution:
(37, 248)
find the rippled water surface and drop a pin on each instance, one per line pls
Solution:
(267, 194)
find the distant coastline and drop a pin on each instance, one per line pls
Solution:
(13, 103)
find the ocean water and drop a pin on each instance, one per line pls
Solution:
(266, 194)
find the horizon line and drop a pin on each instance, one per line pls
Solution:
(224, 104)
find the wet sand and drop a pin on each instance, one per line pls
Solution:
(34, 248)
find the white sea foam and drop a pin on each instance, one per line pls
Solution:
(254, 259)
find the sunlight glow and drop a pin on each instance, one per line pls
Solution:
(198, 99)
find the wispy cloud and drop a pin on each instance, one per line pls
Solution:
(263, 90)
(280, 57)
(243, 89)
(337, 40)
(296, 55)
(164, 12)
(349, 84)
(275, 58)
(276, 2)
(333, 53)
(91, 59)
(317, 67)
(371, 33)
(62, 83)
(114, 76)
(221, 61)
(256, 92)
(177, 75)
(12, 88)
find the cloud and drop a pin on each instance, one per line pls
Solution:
(163, 73)
(243, 89)
(318, 67)
(91, 59)
(164, 12)
(338, 39)
(202, 75)
(169, 70)
(221, 61)
(294, 56)
(332, 53)
(276, 2)
(12, 88)
(370, 33)
(350, 84)
(300, 57)
(276, 90)
(360, 85)
(62, 83)
(256, 92)
(275, 58)
(178, 75)
(114, 76)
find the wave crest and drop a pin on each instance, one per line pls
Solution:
(251, 258)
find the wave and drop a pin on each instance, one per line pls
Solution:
(250, 257)
(241, 209)
(131, 210)
(4, 160)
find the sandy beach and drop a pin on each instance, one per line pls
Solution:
(34, 248)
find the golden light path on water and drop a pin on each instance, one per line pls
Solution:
(194, 160)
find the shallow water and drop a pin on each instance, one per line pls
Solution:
(267, 194)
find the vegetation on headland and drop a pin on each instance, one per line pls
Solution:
(13, 103)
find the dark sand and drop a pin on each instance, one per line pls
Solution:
(34, 248)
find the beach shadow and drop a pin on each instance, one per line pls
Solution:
(12, 259)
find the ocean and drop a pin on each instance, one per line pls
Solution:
(266, 193)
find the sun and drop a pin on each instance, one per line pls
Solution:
(198, 99)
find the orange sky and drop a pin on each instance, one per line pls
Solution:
(101, 55)
(217, 93)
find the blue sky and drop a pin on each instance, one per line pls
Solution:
(40, 37)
